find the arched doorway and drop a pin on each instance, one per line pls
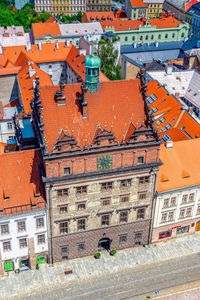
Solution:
(104, 244)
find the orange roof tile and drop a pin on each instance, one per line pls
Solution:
(190, 4)
(107, 107)
(179, 166)
(122, 25)
(19, 178)
(9, 71)
(138, 3)
(48, 52)
(99, 15)
(183, 126)
(2, 147)
(26, 83)
(77, 64)
(42, 29)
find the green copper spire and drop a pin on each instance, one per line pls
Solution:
(92, 66)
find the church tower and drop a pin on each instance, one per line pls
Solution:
(92, 66)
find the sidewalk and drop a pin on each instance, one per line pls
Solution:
(48, 276)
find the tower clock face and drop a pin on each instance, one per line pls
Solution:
(104, 162)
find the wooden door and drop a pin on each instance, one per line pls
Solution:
(197, 228)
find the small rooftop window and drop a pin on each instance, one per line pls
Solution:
(166, 137)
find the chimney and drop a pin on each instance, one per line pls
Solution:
(84, 103)
(28, 46)
(57, 45)
(67, 43)
(40, 46)
(168, 69)
(31, 71)
(1, 49)
(169, 144)
(177, 95)
(60, 95)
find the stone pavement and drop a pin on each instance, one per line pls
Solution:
(49, 276)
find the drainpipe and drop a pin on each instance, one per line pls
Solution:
(50, 225)
(152, 207)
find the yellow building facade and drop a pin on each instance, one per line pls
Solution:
(155, 7)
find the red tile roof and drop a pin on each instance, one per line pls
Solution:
(183, 125)
(180, 165)
(138, 3)
(42, 29)
(20, 181)
(77, 64)
(51, 20)
(99, 15)
(48, 53)
(190, 4)
(9, 71)
(107, 107)
(121, 25)
(26, 83)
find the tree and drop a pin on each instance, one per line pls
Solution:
(109, 65)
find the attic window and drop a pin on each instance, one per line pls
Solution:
(160, 121)
(66, 171)
(151, 99)
(154, 109)
(6, 198)
(166, 137)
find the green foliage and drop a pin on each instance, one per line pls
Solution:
(25, 17)
(98, 255)
(68, 19)
(108, 57)
(113, 252)
(101, 42)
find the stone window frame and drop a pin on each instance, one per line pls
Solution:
(122, 238)
(39, 224)
(81, 204)
(140, 160)
(124, 196)
(144, 179)
(81, 190)
(144, 197)
(125, 183)
(62, 193)
(138, 235)
(64, 227)
(64, 254)
(41, 239)
(123, 216)
(107, 186)
(173, 201)
(81, 224)
(7, 246)
(23, 243)
(166, 202)
(184, 199)
(105, 216)
(106, 201)
(7, 231)
(191, 197)
(21, 228)
(144, 213)
(66, 170)
(81, 247)
(63, 209)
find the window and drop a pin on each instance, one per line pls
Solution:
(159, 36)
(122, 239)
(81, 189)
(140, 213)
(125, 183)
(198, 209)
(140, 160)
(21, 226)
(141, 38)
(81, 206)
(105, 220)
(9, 125)
(81, 247)
(173, 35)
(64, 252)
(41, 239)
(66, 171)
(123, 217)
(152, 37)
(124, 198)
(63, 227)
(166, 203)
(6, 246)
(154, 109)
(171, 216)
(164, 218)
(106, 186)
(40, 222)
(182, 34)
(4, 229)
(50, 67)
(184, 199)
(160, 121)
(166, 137)
(151, 98)
(81, 224)
(138, 235)
(191, 197)
(188, 212)
(126, 38)
(63, 209)
(166, 36)
(173, 201)
(23, 243)
(146, 37)
(182, 213)
(142, 195)
(143, 180)
(62, 193)
(106, 201)
(133, 38)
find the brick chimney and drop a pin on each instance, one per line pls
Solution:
(84, 103)
(177, 95)
(60, 95)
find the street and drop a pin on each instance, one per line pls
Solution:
(130, 284)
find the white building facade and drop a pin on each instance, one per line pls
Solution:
(23, 238)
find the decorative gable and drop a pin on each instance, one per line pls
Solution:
(103, 138)
(141, 134)
(65, 142)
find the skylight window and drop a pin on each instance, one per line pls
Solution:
(166, 137)
(154, 109)
(167, 127)
(151, 99)
(160, 121)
